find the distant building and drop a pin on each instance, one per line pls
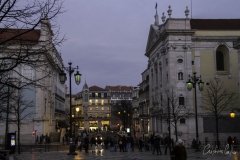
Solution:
(96, 106)
(144, 103)
(118, 94)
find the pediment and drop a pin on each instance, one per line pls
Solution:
(152, 37)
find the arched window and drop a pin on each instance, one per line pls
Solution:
(222, 58)
(180, 76)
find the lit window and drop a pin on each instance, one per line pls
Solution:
(102, 102)
(96, 101)
(90, 108)
(102, 108)
(90, 101)
(108, 115)
(96, 94)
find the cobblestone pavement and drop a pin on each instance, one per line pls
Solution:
(107, 155)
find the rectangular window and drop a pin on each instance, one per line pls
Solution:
(181, 100)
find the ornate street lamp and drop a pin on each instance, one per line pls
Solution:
(192, 83)
(63, 78)
(232, 114)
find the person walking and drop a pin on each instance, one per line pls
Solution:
(156, 145)
(179, 151)
(230, 142)
(167, 143)
(86, 143)
(140, 144)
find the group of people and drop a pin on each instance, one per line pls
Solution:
(43, 139)
(128, 144)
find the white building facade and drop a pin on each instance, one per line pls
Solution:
(43, 92)
(176, 49)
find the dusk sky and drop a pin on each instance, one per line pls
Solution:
(107, 38)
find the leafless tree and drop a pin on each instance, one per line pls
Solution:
(217, 99)
(19, 22)
(123, 111)
(174, 110)
(20, 111)
(20, 46)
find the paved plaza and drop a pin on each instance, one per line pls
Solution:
(107, 155)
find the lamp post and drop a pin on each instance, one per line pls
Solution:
(63, 78)
(192, 83)
(169, 127)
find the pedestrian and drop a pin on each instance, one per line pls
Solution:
(230, 141)
(167, 143)
(132, 143)
(152, 141)
(37, 140)
(179, 151)
(124, 143)
(156, 145)
(194, 143)
(140, 144)
(120, 144)
(93, 141)
(86, 143)
(235, 143)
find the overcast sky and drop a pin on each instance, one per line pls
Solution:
(107, 38)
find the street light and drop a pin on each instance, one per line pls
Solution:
(63, 78)
(232, 114)
(77, 109)
(192, 82)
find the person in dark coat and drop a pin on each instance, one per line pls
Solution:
(156, 145)
(230, 142)
(140, 144)
(167, 143)
(86, 143)
(179, 151)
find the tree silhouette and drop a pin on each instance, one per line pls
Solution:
(217, 99)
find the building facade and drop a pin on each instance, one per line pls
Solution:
(176, 49)
(94, 108)
(40, 85)
(121, 106)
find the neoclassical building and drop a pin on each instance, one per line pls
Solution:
(179, 47)
(44, 93)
